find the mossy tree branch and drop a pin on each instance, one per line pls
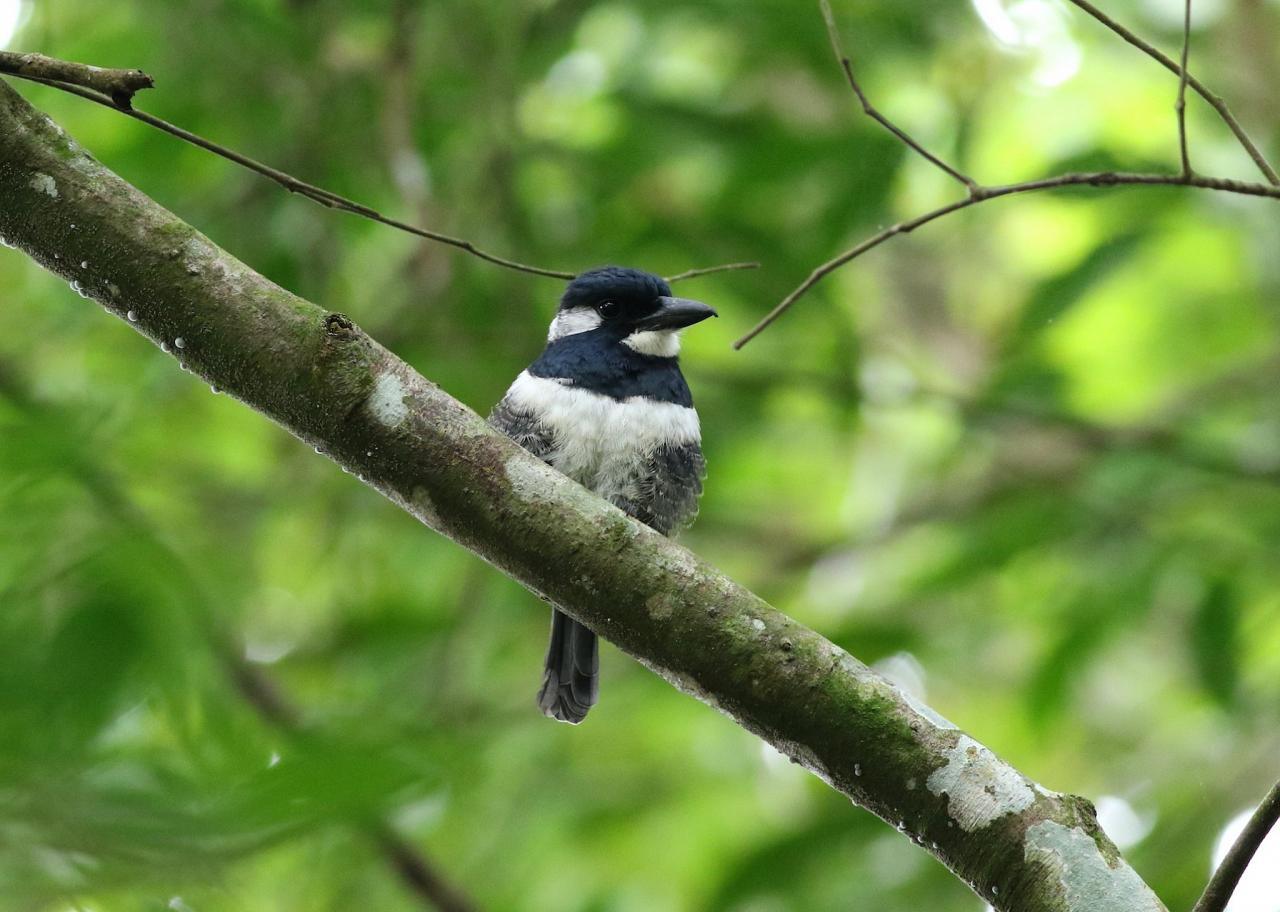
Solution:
(1020, 846)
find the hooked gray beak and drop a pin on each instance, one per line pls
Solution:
(676, 313)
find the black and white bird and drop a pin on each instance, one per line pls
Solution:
(606, 405)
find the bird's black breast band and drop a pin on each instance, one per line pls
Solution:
(596, 362)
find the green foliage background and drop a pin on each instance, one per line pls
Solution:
(1025, 459)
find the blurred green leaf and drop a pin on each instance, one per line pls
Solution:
(1215, 642)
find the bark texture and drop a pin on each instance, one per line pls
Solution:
(1020, 846)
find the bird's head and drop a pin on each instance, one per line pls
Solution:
(633, 307)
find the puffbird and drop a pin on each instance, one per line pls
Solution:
(605, 404)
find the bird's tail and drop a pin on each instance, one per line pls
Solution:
(571, 681)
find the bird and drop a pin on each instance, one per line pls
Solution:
(606, 404)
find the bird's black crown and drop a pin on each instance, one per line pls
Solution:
(635, 290)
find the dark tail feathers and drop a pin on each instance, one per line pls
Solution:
(571, 681)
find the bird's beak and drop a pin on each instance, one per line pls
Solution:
(676, 313)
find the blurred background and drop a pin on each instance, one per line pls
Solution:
(1025, 461)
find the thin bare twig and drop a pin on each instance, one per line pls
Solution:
(84, 81)
(1196, 85)
(118, 85)
(1224, 880)
(294, 185)
(1090, 179)
(979, 193)
(1181, 105)
(709, 270)
(833, 33)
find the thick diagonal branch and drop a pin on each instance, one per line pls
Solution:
(314, 372)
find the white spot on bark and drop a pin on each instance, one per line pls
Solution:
(757, 623)
(980, 787)
(45, 184)
(387, 400)
(1089, 882)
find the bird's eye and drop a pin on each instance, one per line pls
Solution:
(608, 309)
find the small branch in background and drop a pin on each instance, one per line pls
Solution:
(1181, 105)
(1196, 85)
(258, 690)
(118, 85)
(833, 33)
(1224, 880)
(417, 871)
(414, 869)
(111, 89)
(982, 194)
(979, 193)
(709, 270)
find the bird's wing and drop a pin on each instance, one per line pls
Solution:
(668, 487)
(523, 426)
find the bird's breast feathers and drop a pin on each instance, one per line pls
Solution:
(599, 439)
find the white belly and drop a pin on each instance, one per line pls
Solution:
(601, 442)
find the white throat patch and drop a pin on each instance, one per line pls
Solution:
(572, 322)
(661, 343)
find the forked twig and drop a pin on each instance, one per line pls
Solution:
(1181, 105)
(833, 33)
(1091, 179)
(300, 187)
(1196, 85)
(979, 193)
